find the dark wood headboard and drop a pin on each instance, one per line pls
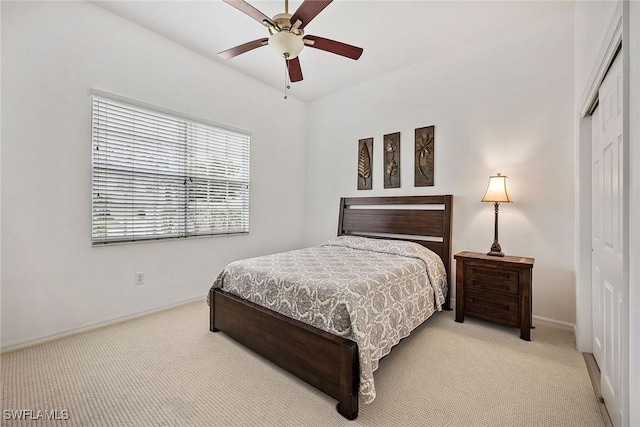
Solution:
(422, 219)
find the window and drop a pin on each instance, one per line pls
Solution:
(157, 175)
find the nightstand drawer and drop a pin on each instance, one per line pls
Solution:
(492, 279)
(501, 309)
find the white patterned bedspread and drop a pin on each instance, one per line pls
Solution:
(371, 291)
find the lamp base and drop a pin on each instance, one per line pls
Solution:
(496, 250)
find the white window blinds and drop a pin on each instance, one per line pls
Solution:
(157, 175)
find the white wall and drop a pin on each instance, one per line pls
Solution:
(503, 104)
(52, 279)
(592, 19)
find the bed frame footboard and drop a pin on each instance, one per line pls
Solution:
(326, 361)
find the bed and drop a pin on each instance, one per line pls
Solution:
(332, 362)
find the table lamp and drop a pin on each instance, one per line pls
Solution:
(496, 193)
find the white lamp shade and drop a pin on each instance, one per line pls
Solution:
(286, 44)
(497, 190)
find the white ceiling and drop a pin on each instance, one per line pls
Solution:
(394, 34)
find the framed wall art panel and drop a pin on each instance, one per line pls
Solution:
(392, 160)
(365, 159)
(424, 157)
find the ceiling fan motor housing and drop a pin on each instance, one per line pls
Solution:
(283, 22)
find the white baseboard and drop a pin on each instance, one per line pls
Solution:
(97, 325)
(542, 321)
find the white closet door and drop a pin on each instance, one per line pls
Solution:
(607, 229)
(596, 235)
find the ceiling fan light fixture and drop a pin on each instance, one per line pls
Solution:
(286, 44)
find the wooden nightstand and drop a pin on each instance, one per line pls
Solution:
(497, 289)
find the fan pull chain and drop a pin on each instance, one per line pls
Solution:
(286, 75)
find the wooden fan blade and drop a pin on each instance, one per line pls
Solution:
(333, 46)
(295, 71)
(308, 10)
(235, 51)
(247, 9)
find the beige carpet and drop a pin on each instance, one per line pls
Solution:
(167, 369)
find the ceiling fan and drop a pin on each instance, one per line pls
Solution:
(287, 35)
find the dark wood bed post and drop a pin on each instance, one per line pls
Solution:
(349, 381)
(212, 311)
(448, 212)
(343, 206)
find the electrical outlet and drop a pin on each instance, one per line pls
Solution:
(139, 278)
